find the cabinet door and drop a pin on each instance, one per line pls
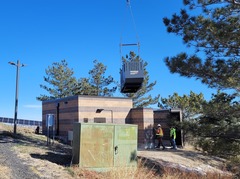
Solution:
(125, 145)
(96, 149)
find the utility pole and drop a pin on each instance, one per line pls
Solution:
(18, 65)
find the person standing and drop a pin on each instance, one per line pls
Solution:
(173, 137)
(159, 136)
(154, 130)
(37, 130)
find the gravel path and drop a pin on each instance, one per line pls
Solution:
(18, 170)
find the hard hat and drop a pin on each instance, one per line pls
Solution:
(159, 125)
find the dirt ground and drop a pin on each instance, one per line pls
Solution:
(185, 159)
(53, 161)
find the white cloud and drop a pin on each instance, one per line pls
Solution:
(33, 106)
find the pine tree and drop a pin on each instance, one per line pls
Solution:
(190, 105)
(141, 97)
(215, 36)
(218, 127)
(98, 84)
(60, 81)
(214, 33)
(84, 87)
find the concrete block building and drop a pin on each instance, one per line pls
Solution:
(96, 109)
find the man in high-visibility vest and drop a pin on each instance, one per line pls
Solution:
(159, 136)
(173, 137)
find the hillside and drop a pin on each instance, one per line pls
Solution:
(27, 156)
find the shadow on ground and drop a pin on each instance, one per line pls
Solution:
(9, 137)
(56, 153)
(58, 158)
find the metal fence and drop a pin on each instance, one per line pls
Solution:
(24, 122)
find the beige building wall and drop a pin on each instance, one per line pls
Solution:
(143, 117)
(115, 109)
(83, 109)
(65, 111)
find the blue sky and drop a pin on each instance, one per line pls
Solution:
(41, 32)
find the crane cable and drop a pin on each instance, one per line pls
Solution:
(135, 28)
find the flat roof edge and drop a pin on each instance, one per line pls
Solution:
(82, 96)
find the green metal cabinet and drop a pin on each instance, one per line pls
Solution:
(100, 146)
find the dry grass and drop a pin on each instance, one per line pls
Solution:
(116, 173)
(5, 172)
(170, 174)
(142, 172)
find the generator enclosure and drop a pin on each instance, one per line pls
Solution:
(132, 76)
(102, 146)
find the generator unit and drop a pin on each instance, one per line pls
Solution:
(132, 76)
